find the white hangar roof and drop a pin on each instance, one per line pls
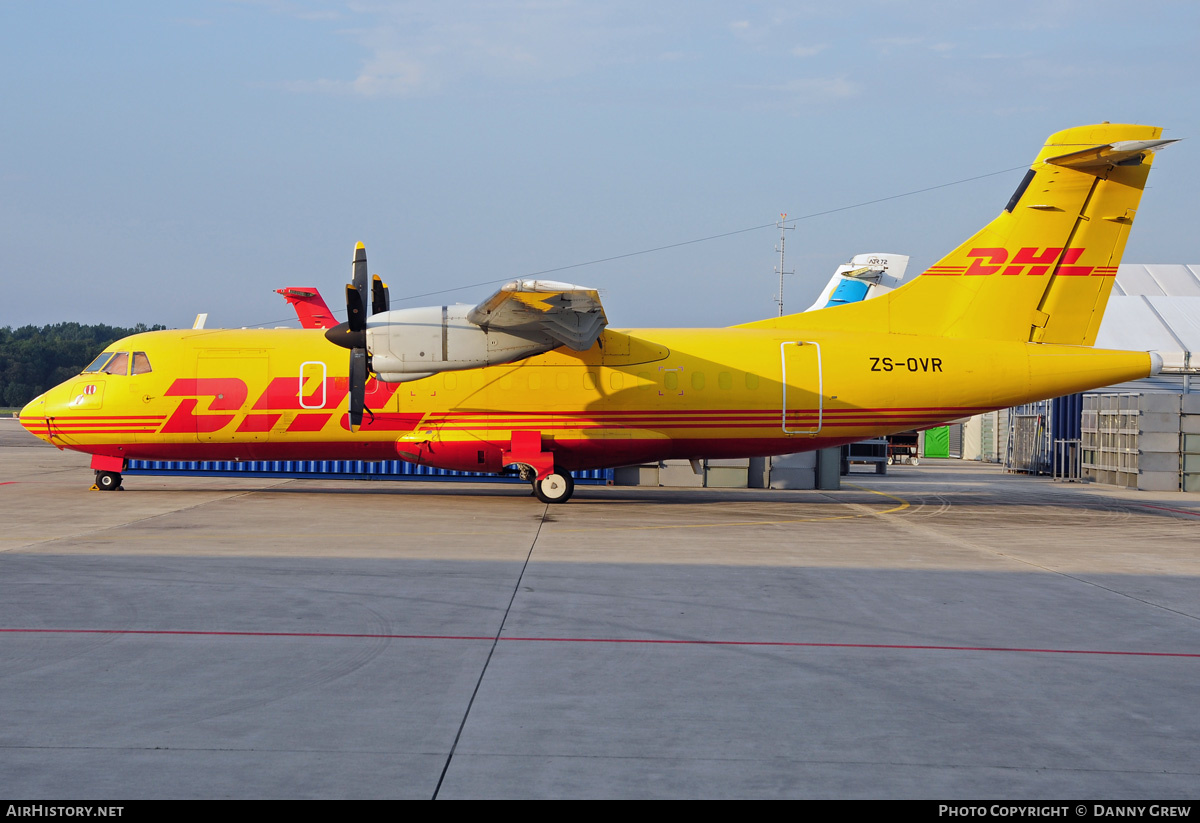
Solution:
(1155, 308)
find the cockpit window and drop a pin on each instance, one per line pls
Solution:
(141, 363)
(98, 363)
(119, 364)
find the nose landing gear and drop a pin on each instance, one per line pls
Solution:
(107, 481)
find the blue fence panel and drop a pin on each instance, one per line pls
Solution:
(343, 469)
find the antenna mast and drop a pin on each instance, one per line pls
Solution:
(783, 227)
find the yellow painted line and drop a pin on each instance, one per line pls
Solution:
(904, 504)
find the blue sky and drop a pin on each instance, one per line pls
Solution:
(163, 159)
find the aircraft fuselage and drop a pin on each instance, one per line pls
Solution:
(636, 396)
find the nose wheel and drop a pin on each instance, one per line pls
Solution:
(108, 481)
(554, 488)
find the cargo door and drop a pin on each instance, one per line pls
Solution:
(803, 388)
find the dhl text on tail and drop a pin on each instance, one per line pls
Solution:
(532, 377)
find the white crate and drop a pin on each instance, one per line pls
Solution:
(784, 478)
(1158, 462)
(1159, 403)
(1158, 442)
(1158, 422)
(801, 460)
(1159, 481)
(679, 473)
(726, 477)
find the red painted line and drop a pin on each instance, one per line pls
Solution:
(700, 422)
(697, 424)
(72, 432)
(644, 641)
(9, 482)
(1169, 509)
(106, 418)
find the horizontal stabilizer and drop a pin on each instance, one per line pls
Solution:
(310, 307)
(570, 314)
(1124, 152)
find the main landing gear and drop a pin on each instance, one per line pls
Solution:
(554, 488)
(108, 481)
(108, 472)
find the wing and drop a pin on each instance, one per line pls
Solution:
(570, 314)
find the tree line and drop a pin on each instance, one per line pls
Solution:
(33, 358)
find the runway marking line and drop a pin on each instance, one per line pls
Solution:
(642, 641)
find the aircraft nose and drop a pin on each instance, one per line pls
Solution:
(33, 418)
(39, 414)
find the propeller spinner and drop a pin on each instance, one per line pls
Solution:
(353, 333)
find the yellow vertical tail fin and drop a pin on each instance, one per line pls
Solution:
(1042, 270)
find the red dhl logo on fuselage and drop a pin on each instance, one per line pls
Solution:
(1029, 261)
(310, 412)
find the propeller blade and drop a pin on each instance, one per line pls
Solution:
(356, 313)
(353, 333)
(358, 386)
(356, 291)
(379, 295)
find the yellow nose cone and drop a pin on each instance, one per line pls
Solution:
(33, 417)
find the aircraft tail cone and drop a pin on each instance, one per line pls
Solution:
(1156, 363)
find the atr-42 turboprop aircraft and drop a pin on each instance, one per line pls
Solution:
(531, 377)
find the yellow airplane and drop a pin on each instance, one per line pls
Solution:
(531, 377)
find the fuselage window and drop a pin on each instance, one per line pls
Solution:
(98, 363)
(725, 380)
(119, 364)
(697, 380)
(141, 363)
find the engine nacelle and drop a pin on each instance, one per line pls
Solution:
(408, 344)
